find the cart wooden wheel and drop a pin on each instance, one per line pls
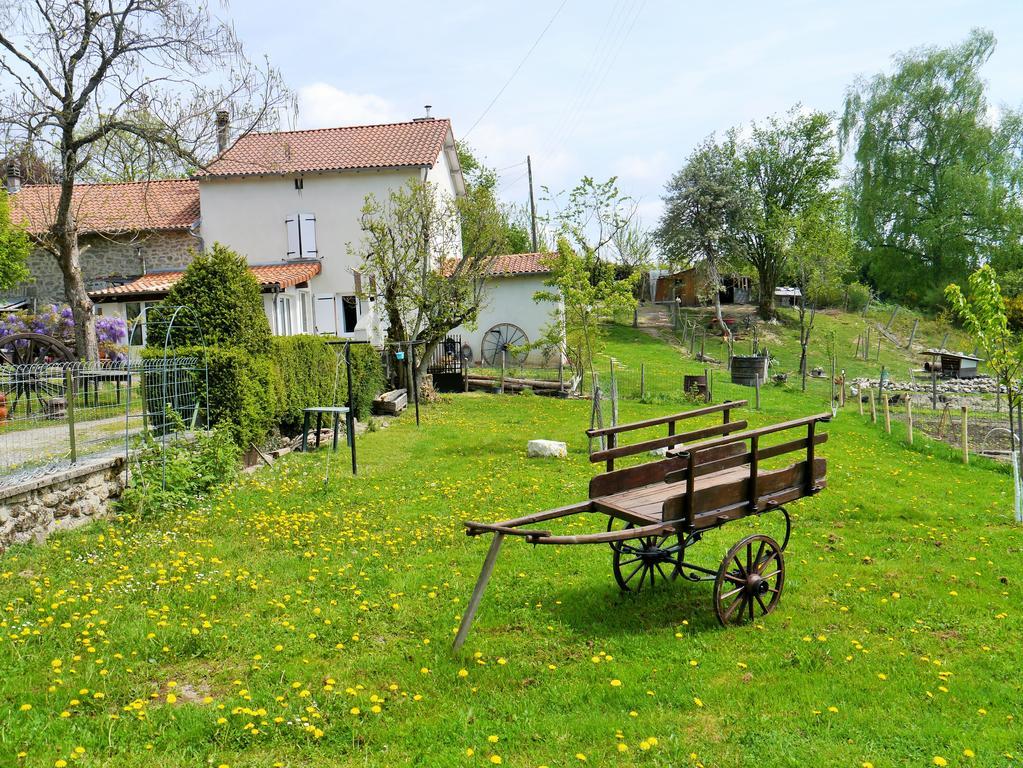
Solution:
(28, 372)
(645, 560)
(750, 580)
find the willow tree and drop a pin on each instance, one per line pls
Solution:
(78, 72)
(935, 174)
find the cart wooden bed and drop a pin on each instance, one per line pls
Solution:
(658, 509)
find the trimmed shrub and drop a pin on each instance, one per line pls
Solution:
(308, 365)
(251, 395)
(225, 303)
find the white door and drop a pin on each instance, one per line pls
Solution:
(326, 315)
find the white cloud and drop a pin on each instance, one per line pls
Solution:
(322, 105)
(643, 167)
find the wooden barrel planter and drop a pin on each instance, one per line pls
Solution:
(746, 369)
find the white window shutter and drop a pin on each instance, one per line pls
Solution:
(307, 223)
(291, 222)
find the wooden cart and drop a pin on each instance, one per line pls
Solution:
(657, 510)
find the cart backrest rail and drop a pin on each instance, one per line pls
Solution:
(615, 451)
(746, 494)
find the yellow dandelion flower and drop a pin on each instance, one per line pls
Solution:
(496, 759)
(616, 683)
(940, 761)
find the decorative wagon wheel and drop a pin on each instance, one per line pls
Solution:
(25, 362)
(640, 561)
(503, 337)
(750, 580)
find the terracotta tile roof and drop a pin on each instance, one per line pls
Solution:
(508, 265)
(159, 283)
(112, 208)
(520, 264)
(411, 144)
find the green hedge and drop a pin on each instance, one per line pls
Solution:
(252, 394)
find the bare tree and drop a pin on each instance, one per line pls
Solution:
(429, 255)
(77, 72)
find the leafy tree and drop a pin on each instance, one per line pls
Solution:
(633, 253)
(934, 179)
(588, 296)
(15, 248)
(704, 218)
(984, 316)
(76, 72)
(429, 255)
(785, 166)
(817, 244)
(225, 303)
(481, 181)
(593, 215)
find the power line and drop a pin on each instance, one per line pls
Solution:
(516, 71)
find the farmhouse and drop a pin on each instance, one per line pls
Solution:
(290, 203)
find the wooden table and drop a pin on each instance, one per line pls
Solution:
(337, 412)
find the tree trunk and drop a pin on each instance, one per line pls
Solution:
(765, 305)
(726, 332)
(86, 345)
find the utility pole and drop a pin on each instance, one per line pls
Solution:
(532, 200)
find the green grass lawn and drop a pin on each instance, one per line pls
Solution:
(296, 623)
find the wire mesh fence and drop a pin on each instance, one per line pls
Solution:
(55, 414)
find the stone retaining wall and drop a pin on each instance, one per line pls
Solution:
(64, 499)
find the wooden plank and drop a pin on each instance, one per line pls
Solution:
(608, 537)
(665, 442)
(477, 592)
(539, 517)
(710, 499)
(478, 528)
(725, 406)
(653, 471)
(739, 459)
(768, 430)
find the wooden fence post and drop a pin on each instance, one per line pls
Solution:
(912, 334)
(873, 407)
(859, 399)
(887, 413)
(909, 417)
(965, 436)
(642, 380)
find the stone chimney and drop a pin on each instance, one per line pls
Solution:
(13, 177)
(223, 130)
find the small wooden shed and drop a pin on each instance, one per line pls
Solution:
(952, 365)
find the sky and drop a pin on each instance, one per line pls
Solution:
(601, 88)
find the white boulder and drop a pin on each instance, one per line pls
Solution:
(546, 449)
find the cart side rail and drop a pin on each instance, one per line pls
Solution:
(752, 489)
(725, 407)
(615, 451)
(648, 473)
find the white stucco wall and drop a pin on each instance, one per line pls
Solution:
(248, 215)
(510, 300)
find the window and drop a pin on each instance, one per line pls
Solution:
(326, 315)
(283, 315)
(350, 313)
(134, 310)
(299, 183)
(303, 307)
(301, 229)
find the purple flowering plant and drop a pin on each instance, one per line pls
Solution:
(57, 321)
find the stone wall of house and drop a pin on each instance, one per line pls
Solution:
(31, 511)
(106, 257)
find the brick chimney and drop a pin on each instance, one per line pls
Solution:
(13, 177)
(223, 130)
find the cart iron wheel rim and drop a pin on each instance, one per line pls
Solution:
(750, 580)
(504, 337)
(645, 560)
